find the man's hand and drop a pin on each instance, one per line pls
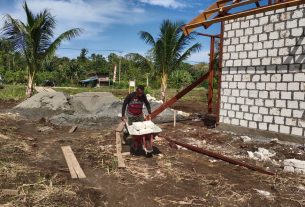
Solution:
(123, 118)
(148, 117)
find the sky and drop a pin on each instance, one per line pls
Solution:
(114, 24)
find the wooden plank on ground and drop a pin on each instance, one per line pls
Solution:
(73, 129)
(73, 165)
(121, 163)
(120, 126)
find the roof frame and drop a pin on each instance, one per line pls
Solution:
(222, 9)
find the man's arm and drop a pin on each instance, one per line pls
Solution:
(126, 102)
(147, 104)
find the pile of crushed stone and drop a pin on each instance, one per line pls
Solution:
(84, 109)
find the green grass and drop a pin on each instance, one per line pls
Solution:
(12, 92)
(17, 92)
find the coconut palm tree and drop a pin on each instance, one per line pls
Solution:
(169, 50)
(34, 39)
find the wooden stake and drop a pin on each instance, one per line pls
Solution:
(175, 114)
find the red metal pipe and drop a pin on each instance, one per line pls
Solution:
(178, 96)
(219, 156)
(208, 35)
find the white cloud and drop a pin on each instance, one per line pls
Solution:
(93, 16)
(165, 3)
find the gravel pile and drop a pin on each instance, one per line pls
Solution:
(84, 109)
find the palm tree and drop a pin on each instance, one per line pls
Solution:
(169, 50)
(33, 39)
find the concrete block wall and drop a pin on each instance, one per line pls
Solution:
(263, 82)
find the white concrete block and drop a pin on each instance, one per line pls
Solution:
(297, 32)
(299, 96)
(275, 111)
(274, 18)
(239, 33)
(263, 110)
(286, 95)
(294, 86)
(249, 101)
(256, 62)
(248, 116)
(232, 84)
(262, 126)
(298, 113)
(254, 109)
(291, 122)
(258, 117)
(276, 78)
(259, 102)
(270, 86)
(263, 20)
(279, 43)
(280, 26)
(263, 37)
(302, 22)
(281, 86)
(235, 121)
(301, 123)
(288, 78)
(268, 44)
(297, 14)
(258, 30)
(260, 86)
(276, 60)
(279, 120)
(274, 35)
(244, 93)
(243, 123)
(244, 108)
(293, 104)
(239, 115)
(280, 103)
(252, 125)
(246, 78)
(274, 94)
(292, 24)
(253, 93)
(236, 25)
(245, 24)
(268, 102)
(241, 85)
(266, 61)
(261, 53)
(246, 62)
(290, 42)
(284, 129)
(274, 127)
(250, 85)
(248, 47)
(239, 47)
(249, 31)
(272, 52)
(299, 77)
(252, 54)
(268, 28)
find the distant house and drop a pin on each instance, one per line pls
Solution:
(96, 80)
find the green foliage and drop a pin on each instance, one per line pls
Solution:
(180, 78)
(12, 92)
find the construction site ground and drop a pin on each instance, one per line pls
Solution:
(32, 163)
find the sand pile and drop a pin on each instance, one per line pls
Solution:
(87, 109)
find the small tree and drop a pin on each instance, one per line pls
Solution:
(33, 39)
(169, 50)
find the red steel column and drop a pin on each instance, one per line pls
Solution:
(211, 76)
(220, 53)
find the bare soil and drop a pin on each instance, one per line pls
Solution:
(32, 163)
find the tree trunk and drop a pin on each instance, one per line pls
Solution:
(30, 88)
(164, 87)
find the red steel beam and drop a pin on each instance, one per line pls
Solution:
(220, 53)
(219, 156)
(211, 76)
(208, 35)
(178, 96)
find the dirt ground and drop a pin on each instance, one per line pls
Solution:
(32, 163)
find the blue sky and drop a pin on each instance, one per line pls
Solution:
(114, 24)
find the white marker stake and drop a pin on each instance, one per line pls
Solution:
(175, 114)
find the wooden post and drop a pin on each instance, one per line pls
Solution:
(220, 52)
(211, 76)
(175, 115)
